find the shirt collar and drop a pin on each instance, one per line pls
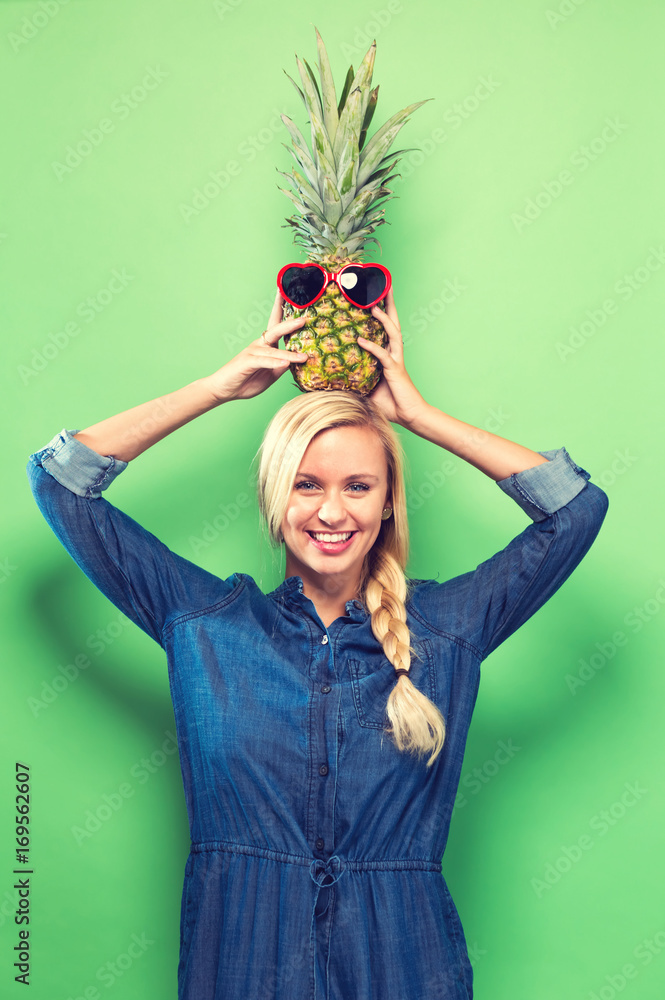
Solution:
(291, 591)
(289, 587)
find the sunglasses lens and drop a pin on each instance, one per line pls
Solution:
(364, 284)
(302, 284)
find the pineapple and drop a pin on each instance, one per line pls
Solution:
(338, 189)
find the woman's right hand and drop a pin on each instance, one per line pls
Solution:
(259, 364)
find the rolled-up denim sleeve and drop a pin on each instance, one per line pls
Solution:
(143, 578)
(488, 604)
(543, 489)
(80, 469)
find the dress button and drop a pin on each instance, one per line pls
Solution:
(324, 640)
(319, 844)
(326, 689)
(323, 769)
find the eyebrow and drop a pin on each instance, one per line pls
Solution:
(357, 475)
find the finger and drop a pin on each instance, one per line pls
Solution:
(379, 352)
(280, 354)
(276, 359)
(276, 313)
(281, 329)
(393, 331)
(391, 307)
(386, 319)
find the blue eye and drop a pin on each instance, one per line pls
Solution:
(301, 486)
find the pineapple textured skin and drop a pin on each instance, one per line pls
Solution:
(329, 338)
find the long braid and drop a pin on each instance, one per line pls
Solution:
(417, 724)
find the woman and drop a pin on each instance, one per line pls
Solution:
(321, 727)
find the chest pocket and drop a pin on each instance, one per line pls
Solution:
(372, 681)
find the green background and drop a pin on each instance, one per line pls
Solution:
(500, 353)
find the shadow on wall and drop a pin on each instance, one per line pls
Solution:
(543, 739)
(90, 652)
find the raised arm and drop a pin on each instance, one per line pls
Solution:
(257, 366)
(497, 457)
(136, 571)
(398, 398)
(483, 607)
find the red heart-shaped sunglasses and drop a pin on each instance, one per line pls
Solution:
(363, 285)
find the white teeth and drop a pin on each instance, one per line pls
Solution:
(320, 536)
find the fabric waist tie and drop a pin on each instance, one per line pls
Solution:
(323, 874)
(326, 872)
(338, 865)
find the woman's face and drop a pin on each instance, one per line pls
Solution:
(334, 513)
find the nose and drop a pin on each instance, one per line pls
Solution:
(332, 509)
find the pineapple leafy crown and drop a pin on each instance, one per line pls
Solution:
(340, 187)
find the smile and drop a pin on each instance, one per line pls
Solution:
(325, 536)
(328, 541)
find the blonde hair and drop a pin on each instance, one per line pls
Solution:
(417, 725)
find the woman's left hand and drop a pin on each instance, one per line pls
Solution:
(395, 395)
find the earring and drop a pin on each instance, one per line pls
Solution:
(385, 513)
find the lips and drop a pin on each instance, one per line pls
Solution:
(331, 541)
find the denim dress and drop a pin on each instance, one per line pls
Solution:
(316, 846)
